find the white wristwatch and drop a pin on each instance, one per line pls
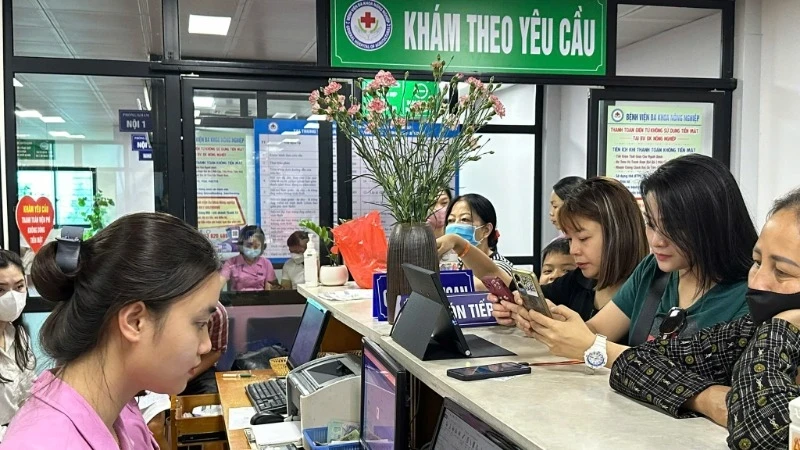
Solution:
(596, 357)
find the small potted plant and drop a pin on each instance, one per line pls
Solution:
(334, 274)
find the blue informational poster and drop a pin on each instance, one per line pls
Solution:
(453, 282)
(286, 179)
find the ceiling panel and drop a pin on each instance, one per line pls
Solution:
(637, 23)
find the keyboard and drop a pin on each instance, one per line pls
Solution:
(268, 396)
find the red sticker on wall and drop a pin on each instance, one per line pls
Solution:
(35, 220)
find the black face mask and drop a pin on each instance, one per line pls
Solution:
(765, 305)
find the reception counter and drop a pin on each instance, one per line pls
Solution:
(555, 407)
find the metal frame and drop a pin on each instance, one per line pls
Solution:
(722, 119)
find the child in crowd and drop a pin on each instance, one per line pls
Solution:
(17, 361)
(293, 272)
(556, 261)
(249, 271)
(121, 324)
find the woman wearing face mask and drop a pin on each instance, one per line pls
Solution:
(121, 324)
(472, 224)
(438, 218)
(741, 374)
(16, 358)
(701, 235)
(249, 271)
(293, 272)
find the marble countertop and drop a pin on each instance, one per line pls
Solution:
(553, 408)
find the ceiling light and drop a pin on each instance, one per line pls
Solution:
(317, 117)
(197, 121)
(30, 113)
(215, 25)
(76, 136)
(51, 119)
(291, 133)
(17, 83)
(23, 135)
(282, 115)
(197, 113)
(59, 133)
(204, 102)
(147, 99)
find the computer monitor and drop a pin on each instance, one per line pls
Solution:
(309, 334)
(384, 401)
(458, 429)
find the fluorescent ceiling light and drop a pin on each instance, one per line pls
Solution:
(76, 136)
(17, 83)
(197, 113)
(23, 135)
(215, 25)
(30, 113)
(291, 133)
(51, 119)
(281, 115)
(204, 102)
(59, 133)
(312, 126)
(197, 121)
(317, 117)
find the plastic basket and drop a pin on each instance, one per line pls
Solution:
(278, 365)
(313, 435)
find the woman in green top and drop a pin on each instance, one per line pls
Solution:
(701, 236)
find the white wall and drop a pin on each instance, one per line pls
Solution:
(692, 50)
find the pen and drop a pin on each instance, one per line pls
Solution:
(237, 375)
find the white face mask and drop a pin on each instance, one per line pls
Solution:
(11, 305)
(297, 257)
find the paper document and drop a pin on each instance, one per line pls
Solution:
(350, 294)
(277, 433)
(152, 404)
(239, 418)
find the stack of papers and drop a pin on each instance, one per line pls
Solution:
(278, 433)
(350, 294)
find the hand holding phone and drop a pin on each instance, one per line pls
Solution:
(505, 369)
(531, 301)
(496, 286)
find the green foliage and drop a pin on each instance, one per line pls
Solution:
(326, 238)
(97, 215)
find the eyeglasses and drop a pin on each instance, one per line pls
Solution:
(673, 323)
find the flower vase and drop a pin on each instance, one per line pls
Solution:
(408, 243)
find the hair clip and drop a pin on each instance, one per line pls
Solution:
(68, 248)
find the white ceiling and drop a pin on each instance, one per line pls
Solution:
(636, 23)
(131, 30)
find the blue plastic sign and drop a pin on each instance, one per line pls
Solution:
(470, 310)
(146, 155)
(139, 143)
(134, 120)
(453, 282)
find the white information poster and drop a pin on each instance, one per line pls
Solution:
(287, 182)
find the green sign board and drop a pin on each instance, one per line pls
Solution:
(406, 92)
(32, 149)
(515, 36)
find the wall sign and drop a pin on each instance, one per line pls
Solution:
(565, 37)
(35, 220)
(134, 120)
(33, 149)
(140, 143)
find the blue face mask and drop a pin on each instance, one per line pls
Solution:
(251, 253)
(465, 231)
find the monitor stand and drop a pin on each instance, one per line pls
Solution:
(416, 330)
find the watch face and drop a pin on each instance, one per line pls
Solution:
(595, 359)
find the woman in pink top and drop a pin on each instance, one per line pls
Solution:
(121, 325)
(249, 271)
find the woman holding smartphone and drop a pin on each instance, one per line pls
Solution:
(608, 241)
(701, 235)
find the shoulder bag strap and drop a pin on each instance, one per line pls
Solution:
(648, 312)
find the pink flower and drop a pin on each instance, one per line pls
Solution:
(315, 108)
(385, 79)
(353, 109)
(341, 99)
(372, 127)
(373, 86)
(463, 100)
(376, 106)
(499, 109)
(475, 83)
(331, 88)
(400, 122)
(314, 97)
(416, 107)
(459, 76)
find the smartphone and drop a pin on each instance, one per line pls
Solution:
(505, 369)
(531, 292)
(496, 286)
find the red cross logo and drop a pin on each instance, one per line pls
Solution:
(368, 20)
